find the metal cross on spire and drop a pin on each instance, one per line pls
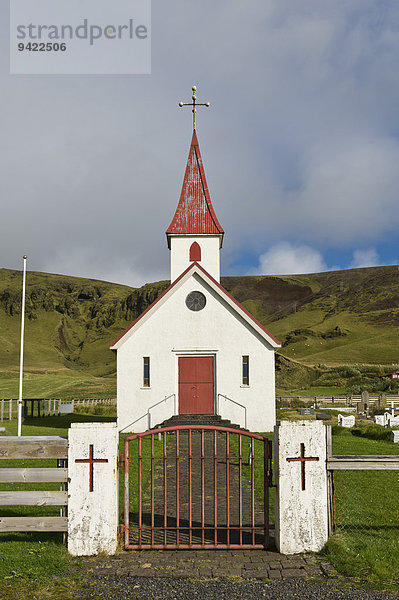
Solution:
(194, 104)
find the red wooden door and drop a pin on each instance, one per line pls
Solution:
(196, 396)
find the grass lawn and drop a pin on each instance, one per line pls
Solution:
(366, 541)
(62, 383)
(319, 391)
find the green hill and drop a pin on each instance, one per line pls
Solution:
(334, 318)
(324, 320)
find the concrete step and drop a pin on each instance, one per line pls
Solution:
(214, 420)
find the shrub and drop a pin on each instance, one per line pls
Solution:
(299, 404)
(372, 431)
(331, 379)
(347, 371)
(376, 411)
(103, 410)
(338, 430)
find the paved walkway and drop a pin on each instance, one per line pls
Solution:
(216, 575)
(198, 564)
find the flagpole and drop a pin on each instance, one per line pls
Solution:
(21, 358)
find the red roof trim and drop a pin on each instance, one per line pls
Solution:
(172, 285)
(238, 304)
(202, 218)
(195, 264)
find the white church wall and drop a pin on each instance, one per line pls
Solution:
(172, 331)
(180, 254)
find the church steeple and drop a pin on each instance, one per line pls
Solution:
(194, 213)
(195, 233)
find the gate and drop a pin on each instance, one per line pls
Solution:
(193, 486)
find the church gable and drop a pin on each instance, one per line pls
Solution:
(196, 279)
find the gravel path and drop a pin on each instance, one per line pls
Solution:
(151, 588)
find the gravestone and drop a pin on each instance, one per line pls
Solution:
(395, 436)
(346, 421)
(323, 417)
(380, 420)
(66, 407)
(392, 421)
(306, 411)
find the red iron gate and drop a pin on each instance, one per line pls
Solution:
(194, 487)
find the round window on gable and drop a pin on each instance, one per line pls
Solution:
(195, 301)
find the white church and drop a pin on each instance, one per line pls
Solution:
(195, 350)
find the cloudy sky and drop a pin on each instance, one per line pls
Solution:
(300, 144)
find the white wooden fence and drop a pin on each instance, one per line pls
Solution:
(340, 399)
(15, 448)
(46, 407)
(94, 401)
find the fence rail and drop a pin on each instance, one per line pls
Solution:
(46, 407)
(94, 401)
(33, 498)
(340, 398)
(361, 462)
(48, 524)
(40, 475)
(35, 447)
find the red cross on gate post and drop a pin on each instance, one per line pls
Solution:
(91, 460)
(303, 460)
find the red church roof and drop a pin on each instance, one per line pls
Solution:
(194, 213)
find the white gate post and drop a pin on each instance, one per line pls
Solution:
(92, 488)
(301, 495)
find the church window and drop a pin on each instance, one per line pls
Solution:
(146, 371)
(195, 252)
(195, 301)
(245, 370)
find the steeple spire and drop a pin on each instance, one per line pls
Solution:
(195, 214)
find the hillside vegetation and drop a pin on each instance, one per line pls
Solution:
(324, 321)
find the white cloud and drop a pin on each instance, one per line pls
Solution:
(79, 261)
(287, 259)
(350, 190)
(364, 258)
